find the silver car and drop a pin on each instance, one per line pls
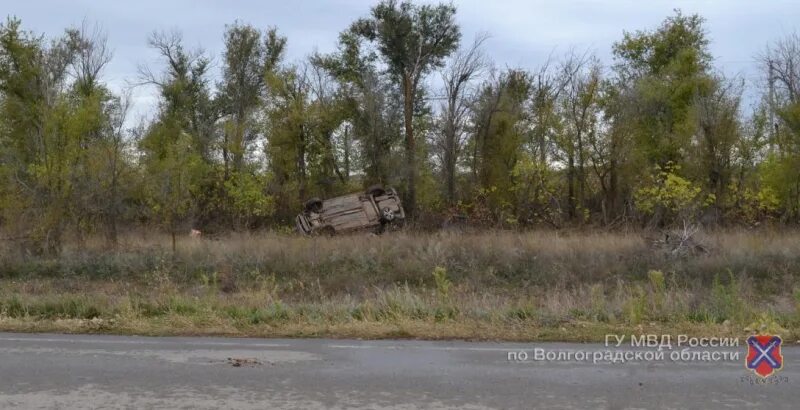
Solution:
(376, 208)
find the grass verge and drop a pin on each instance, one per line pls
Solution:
(488, 286)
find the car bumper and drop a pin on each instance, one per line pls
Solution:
(302, 224)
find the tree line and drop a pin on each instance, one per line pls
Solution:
(658, 137)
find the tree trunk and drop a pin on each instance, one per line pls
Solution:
(113, 210)
(225, 143)
(571, 185)
(240, 142)
(542, 137)
(346, 154)
(411, 154)
(450, 161)
(301, 164)
(581, 172)
(614, 201)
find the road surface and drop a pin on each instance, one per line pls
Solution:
(90, 371)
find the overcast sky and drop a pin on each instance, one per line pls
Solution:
(523, 33)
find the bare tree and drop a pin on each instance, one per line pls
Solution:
(169, 45)
(579, 105)
(549, 81)
(467, 65)
(92, 55)
(781, 62)
(327, 119)
(114, 152)
(184, 89)
(783, 59)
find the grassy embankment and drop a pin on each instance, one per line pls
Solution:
(503, 286)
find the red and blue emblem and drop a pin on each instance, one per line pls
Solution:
(764, 354)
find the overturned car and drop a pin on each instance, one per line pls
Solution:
(376, 209)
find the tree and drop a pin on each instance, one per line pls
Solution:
(183, 88)
(102, 170)
(111, 170)
(566, 143)
(718, 131)
(412, 40)
(176, 146)
(661, 75)
(668, 196)
(548, 82)
(579, 110)
(537, 194)
(64, 163)
(289, 137)
(464, 67)
(328, 111)
(172, 179)
(614, 150)
(663, 71)
(501, 123)
(781, 61)
(370, 113)
(92, 57)
(39, 139)
(247, 61)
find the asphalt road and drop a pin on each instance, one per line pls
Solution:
(90, 371)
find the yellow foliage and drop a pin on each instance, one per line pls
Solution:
(666, 189)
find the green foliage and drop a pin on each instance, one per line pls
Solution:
(658, 287)
(662, 73)
(797, 303)
(767, 323)
(248, 62)
(173, 178)
(780, 176)
(648, 302)
(565, 144)
(534, 186)
(499, 134)
(636, 308)
(248, 198)
(678, 38)
(409, 36)
(443, 284)
(56, 118)
(667, 193)
(412, 40)
(753, 206)
(726, 301)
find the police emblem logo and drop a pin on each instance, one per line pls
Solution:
(764, 356)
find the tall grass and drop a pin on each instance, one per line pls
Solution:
(487, 285)
(349, 263)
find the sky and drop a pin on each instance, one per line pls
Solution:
(523, 34)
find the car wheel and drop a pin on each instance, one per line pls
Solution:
(313, 205)
(376, 190)
(387, 215)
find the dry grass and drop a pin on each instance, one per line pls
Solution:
(498, 285)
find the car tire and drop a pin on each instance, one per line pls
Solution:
(376, 190)
(387, 215)
(313, 205)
